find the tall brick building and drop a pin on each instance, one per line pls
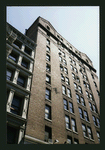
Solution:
(63, 105)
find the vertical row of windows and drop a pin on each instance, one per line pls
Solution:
(48, 130)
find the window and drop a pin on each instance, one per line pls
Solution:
(64, 62)
(94, 108)
(84, 84)
(92, 76)
(63, 89)
(48, 68)
(98, 92)
(81, 113)
(47, 49)
(82, 101)
(70, 59)
(16, 105)
(88, 86)
(21, 81)
(75, 86)
(60, 58)
(78, 98)
(69, 140)
(69, 93)
(84, 130)
(79, 89)
(71, 107)
(12, 57)
(96, 121)
(17, 44)
(47, 57)
(48, 134)
(85, 77)
(95, 84)
(72, 55)
(76, 141)
(74, 63)
(91, 108)
(61, 67)
(91, 97)
(9, 74)
(87, 94)
(90, 132)
(73, 124)
(27, 50)
(77, 78)
(86, 115)
(87, 61)
(67, 80)
(48, 27)
(48, 42)
(75, 70)
(65, 70)
(62, 77)
(67, 120)
(65, 104)
(24, 63)
(98, 135)
(73, 75)
(60, 52)
(63, 54)
(48, 79)
(71, 67)
(11, 135)
(47, 112)
(48, 94)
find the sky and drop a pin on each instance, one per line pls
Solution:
(79, 25)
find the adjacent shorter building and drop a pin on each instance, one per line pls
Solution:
(20, 52)
(52, 89)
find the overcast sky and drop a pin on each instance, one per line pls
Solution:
(79, 25)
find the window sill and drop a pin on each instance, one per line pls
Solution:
(75, 132)
(85, 120)
(48, 84)
(88, 138)
(18, 86)
(94, 112)
(69, 112)
(48, 120)
(67, 96)
(48, 71)
(48, 100)
(29, 56)
(69, 129)
(97, 126)
(81, 105)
